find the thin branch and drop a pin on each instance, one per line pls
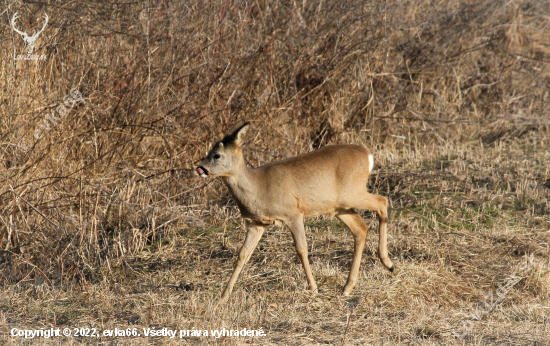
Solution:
(33, 207)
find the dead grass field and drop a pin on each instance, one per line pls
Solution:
(103, 223)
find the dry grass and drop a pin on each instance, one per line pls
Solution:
(103, 223)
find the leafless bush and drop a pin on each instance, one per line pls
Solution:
(162, 79)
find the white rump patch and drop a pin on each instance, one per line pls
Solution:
(371, 163)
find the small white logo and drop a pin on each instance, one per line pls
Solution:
(24, 145)
(29, 40)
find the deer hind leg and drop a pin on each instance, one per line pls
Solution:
(379, 204)
(253, 235)
(299, 235)
(359, 231)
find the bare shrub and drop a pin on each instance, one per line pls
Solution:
(160, 80)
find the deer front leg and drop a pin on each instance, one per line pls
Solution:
(253, 235)
(299, 235)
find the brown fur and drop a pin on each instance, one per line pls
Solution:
(329, 180)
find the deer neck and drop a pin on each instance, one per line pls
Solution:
(245, 189)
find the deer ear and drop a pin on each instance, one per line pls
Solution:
(236, 134)
(241, 132)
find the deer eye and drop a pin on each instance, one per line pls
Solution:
(216, 156)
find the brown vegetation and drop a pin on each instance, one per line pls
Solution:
(103, 223)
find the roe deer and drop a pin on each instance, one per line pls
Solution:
(330, 180)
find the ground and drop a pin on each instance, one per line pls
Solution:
(460, 227)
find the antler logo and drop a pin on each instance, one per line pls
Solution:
(29, 40)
